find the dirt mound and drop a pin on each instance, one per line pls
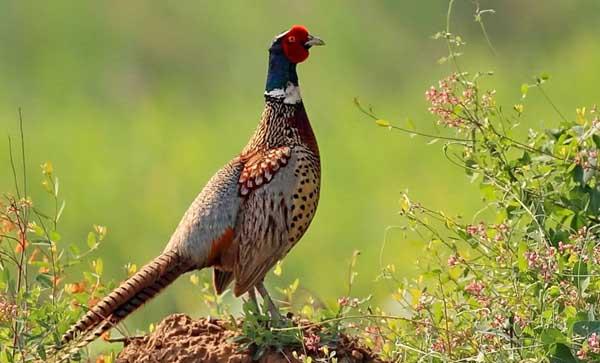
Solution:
(181, 339)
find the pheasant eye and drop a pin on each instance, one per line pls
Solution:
(291, 39)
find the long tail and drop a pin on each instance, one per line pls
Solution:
(124, 300)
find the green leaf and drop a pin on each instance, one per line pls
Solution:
(56, 187)
(524, 89)
(98, 266)
(54, 236)
(470, 166)
(570, 312)
(91, 240)
(596, 139)
(41, 350)
(383, 123)
(562, 354)
(61, 210)
(554, 291)
(577, 174)
(437, 311)
(580, 273)
(552, 336)
(488, 192)
(44, 279)
(521, 256)
(594, 200)
(4, 276)
(544, 76)
(39, 231)
(548, 313)
(74, 250)
(586, 328)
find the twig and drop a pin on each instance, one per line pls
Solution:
(125, 340)
(23, 160)
(448, 341)
(348, 317)
(539, 86)
(13, 167)
(374, 117)
(479, 19)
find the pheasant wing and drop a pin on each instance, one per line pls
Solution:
(263, 233)
(207, 228)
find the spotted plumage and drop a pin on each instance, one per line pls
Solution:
(274, 217)
(250, 213)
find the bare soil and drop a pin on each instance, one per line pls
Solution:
(180, 339)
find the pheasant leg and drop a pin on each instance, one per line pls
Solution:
(275, 315)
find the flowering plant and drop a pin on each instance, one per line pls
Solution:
(520, 281)
(37, 299)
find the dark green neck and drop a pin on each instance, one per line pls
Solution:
(281, 70)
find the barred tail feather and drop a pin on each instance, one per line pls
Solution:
(124, 300)
(221, 279)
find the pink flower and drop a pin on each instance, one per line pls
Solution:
(453, 260)
(471, 230)
(486, 302)
(594, 343)
(487, 100)
(544, 261)
(343, 301)
(8, 310)
(562, 247)
(346, 301)
(502, 227)
(532, 259)
(499, 321)
(469, 94)
(438, 346)
(311, 342)
(424, 302)
(569, 293)
(580, 234)
(431, 94)
(475, 288)
(444, 99)
(479, 230)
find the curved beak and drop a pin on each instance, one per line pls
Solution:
(313, 40)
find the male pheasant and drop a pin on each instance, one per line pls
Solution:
(251, 212)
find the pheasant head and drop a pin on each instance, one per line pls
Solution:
(288, 49)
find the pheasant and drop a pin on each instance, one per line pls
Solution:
(250, 213)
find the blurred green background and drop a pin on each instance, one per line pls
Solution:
(138, 103)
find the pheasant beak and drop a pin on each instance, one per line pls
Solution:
(312, 40)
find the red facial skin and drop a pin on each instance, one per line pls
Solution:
(293, 44)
